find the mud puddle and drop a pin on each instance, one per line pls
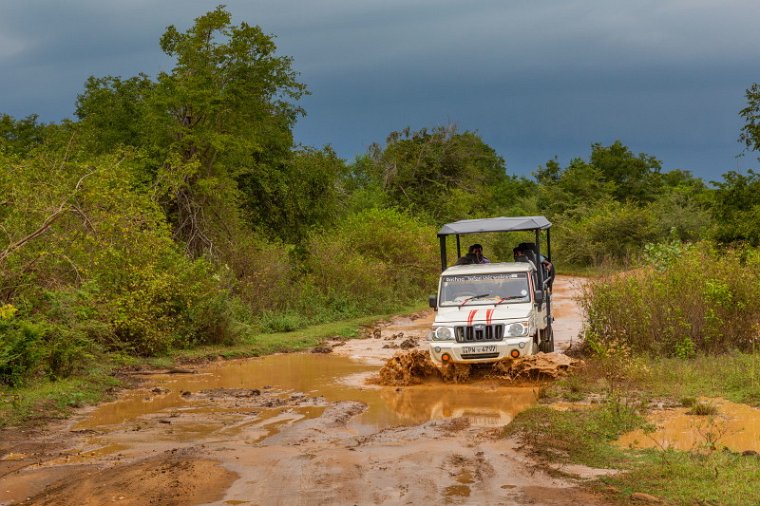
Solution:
(250, 405)
(733, 426)
(225, 397)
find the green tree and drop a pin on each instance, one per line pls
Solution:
(736, 207)
(18, 137)
(229, 104)
(609, 231)
(636, 177)
(609, 207)
(750, 132)
(301, 193)
(111, 112)
(573, 189)
(439, 173)
(213, 126)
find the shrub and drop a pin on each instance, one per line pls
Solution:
(610, 231)
(282, 322)
(374, 260)
(20, 351)
(265, 277)
(687, 300)
(106, 273)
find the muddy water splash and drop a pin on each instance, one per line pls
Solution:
(414, 367)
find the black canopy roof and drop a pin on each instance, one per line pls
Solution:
(501, 224)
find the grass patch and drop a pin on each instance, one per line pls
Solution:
(724, 478)
(45, 400)
(589, 271)
(703, 409)
(581, 437)
(706, 476)
(734, 376)
(255, 344)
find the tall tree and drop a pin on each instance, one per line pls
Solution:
(111, 111)
(219, 121)
(636, 177)
(17, 137)
(750, 132)
(737, 207)
(304, 192)
(441, 173)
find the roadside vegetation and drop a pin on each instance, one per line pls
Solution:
(679, 329)
(613, 395)
(175, 218)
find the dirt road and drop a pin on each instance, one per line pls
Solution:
(299, 429)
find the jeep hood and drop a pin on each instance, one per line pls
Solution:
(482, 313)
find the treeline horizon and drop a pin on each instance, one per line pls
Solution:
(177, 210)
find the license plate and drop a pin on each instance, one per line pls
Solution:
(470, 350)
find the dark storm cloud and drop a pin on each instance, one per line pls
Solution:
(536, 79)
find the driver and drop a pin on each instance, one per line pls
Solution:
(474, 256)
(476, 250)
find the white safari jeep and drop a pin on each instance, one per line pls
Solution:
(490, 311)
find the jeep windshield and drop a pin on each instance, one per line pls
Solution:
(474, 289)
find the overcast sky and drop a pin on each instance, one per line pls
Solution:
(535, 78)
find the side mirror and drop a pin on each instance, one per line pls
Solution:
(539, 296)
(433, 301)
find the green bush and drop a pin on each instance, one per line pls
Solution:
(106, 274)
(608, 232)
(20, 351)
(373, 261)
(265, 274)
(172, 303)
(687, 300)
(282, 322)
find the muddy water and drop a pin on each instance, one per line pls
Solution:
(735, 426)
(568, 315)
(323, 379)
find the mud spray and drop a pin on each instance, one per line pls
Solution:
(414, 367)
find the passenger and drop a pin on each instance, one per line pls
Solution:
(468, 259)
(474, 256)
(523, 253)
(477, 251)
(520, 255)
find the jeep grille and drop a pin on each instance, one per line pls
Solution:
(478, 333)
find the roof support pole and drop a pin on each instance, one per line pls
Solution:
(442, 238)
(539, 267)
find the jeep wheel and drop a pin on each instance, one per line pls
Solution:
(547, 340)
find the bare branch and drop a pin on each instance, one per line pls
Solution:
(41, 230)
(49, 221)
(85, 218)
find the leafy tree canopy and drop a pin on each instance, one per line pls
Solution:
(440, 173)
(750, 132)
(636, 177)
(736, 207)
(17, 137)
(221, 118)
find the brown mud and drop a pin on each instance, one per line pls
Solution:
(294, 429)
(415, 367)
(732, 426)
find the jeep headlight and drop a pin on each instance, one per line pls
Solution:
(443, 334)
(517, 329)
